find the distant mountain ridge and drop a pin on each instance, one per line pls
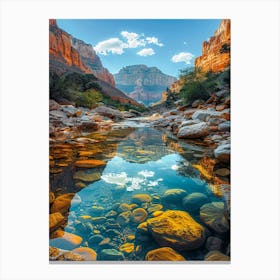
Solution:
(144, 84)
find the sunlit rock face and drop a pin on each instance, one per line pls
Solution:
(62, 52)
(216, 51)
(91, 60)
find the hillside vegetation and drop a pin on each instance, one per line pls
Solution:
(83, 90)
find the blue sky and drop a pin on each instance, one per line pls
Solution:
(169, 44)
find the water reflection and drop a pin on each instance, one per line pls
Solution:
(139, 160)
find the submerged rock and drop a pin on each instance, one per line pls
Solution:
(174, 195)
(176, 229)
(194, 201)
(86, 253)
(127, 248)
(164, 254)
(213, 215)
(110, 255)
(141, 198)
(213, 243)
(87, 176)
(65, 240)
(216, 256)
(139, 215)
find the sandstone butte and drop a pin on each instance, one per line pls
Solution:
(216, 52)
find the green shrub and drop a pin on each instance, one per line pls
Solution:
(194, 90)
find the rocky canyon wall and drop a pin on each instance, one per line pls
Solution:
(216, 51)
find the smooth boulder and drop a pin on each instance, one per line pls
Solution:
(164, 254)
(176, 229)
(222, 152)
(194, 201)
(194, 131)
(213, 215)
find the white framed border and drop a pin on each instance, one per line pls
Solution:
(24, 138)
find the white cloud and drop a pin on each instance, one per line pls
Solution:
(113, 45)
(183, 57)
(129, 40)
(134, 40)
(146, 52)
(153, 40)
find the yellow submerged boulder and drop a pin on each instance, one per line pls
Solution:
(141, 198)
(164, 254)
(127, 248)
(139, 215)
(176, 229)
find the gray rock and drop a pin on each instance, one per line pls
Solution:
(188, 122)
(110, 255)
(225, 126)
(194, 131)
(57, 114)
(213, 215)
(95, 239)
(70, 110)
(197, 102)
(213, 243)
(109, 112)
(215, 121)
(194, 201)
(222, 152)
(53, 105)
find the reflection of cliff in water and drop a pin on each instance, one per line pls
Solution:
(143, 145)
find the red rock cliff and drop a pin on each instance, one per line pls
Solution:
(61, 50)
(216, 52)
(91, 59)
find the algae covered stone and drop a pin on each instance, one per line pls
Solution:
(141, 198)
(176, 229)
(164, 254)
(139, 215)
(174, 195)
(127, 248)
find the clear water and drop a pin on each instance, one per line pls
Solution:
(139, 161)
